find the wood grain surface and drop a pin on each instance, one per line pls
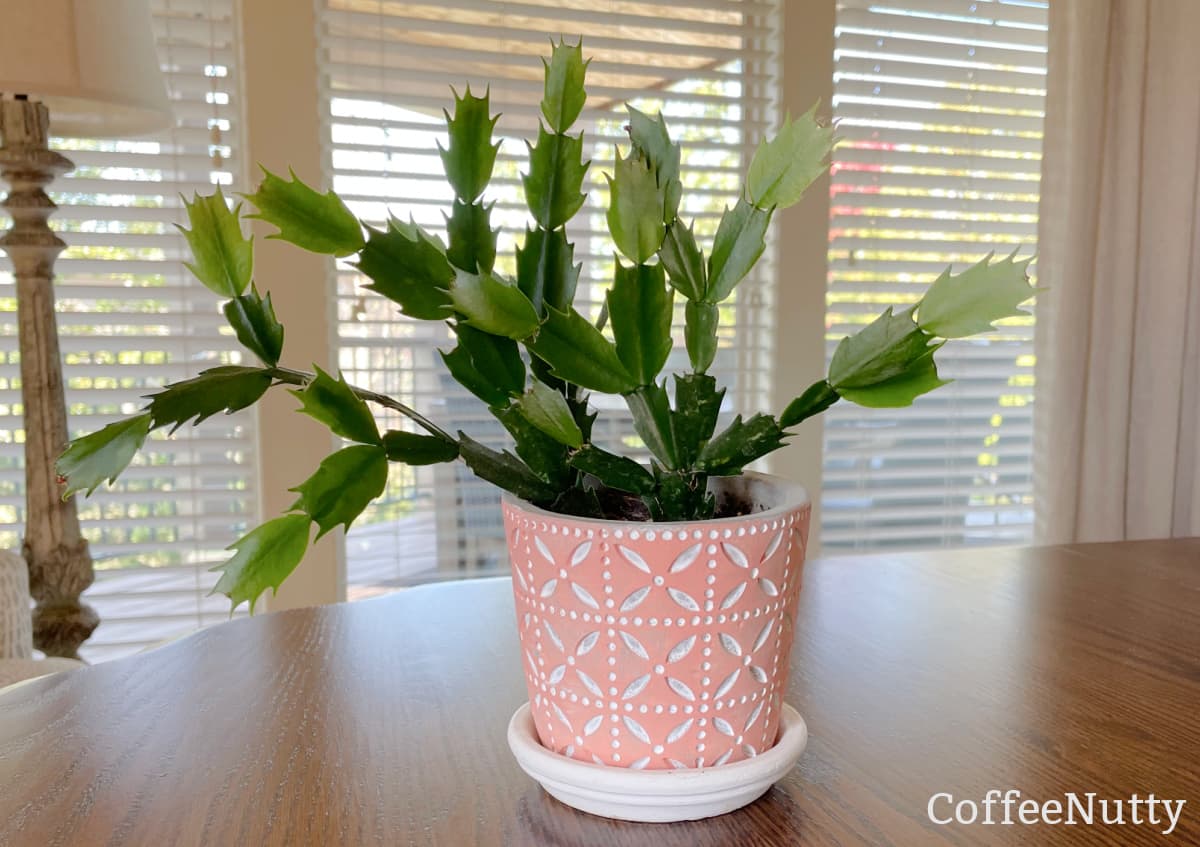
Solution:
(1052, 670)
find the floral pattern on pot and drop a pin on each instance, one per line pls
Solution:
(656, 645)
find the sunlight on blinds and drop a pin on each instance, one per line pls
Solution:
(940, 106)
(131, 317)
(387, 72)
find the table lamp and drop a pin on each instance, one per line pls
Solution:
(88, 66)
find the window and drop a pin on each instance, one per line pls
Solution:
(387, 69)
(131, 317)
(940, 107)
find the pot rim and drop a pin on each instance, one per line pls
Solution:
(790, 495)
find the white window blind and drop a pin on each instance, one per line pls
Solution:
(940, 106)
(387, 69)
(131, 317)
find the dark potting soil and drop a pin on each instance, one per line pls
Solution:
(735, 506)
(619, 506)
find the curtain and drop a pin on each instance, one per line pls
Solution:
(1118, 348)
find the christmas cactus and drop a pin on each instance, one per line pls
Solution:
(522, 348)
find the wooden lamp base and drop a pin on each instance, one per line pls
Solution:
(60, 567)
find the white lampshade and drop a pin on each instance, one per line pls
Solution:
(92, 62)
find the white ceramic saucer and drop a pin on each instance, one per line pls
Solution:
(656, 796)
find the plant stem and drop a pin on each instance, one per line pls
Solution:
(301, 378)
(816, 399)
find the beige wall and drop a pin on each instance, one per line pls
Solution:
(282, 129)
(802, 237)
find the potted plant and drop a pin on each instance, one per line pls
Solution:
(655, 604)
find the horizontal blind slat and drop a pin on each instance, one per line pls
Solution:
(385, 80)
(940, 105)
(123, 332)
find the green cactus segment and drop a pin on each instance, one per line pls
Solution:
(619, 472)
(684, 262)
(652, 140)
(489, 366)
(222, 257)
(651, 410)
(543, 454)
(265, 557)
(470, 156)
(334, 403)
(553, 185)
(816, 398)
(577, 353)
(640, 308)
(411, 448)
(919, 377)
(783, 167)
(319, 223)
(741, 443)
(472, 239)
(467, 374)
(468, 160)
(255, 325)
(635, 213)
(548, 410)
(888, 363)
(967, 303)
(490, 305)
(101, 456)
(883, 349)
(409, 267)
(681, 497)
(697, 406)
(227, 389)
(577, 397)
(564, 92)
(700, 334)
(740, 241)
(505, 470)
(344, 484)
(546, 271)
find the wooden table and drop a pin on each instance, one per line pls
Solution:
(1045, 670)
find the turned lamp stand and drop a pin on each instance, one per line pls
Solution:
(60, 567)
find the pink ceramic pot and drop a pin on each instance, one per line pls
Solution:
(660, 645)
